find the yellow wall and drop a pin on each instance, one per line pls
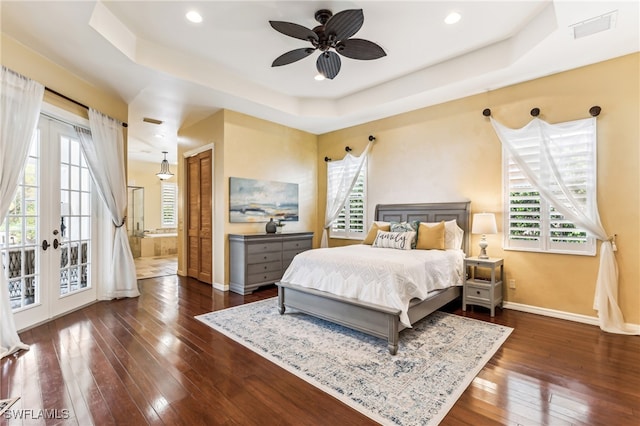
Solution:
(249, 147)
(30, 64)
(450, 152)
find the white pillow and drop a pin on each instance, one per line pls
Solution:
(394, 240)
(453, 234)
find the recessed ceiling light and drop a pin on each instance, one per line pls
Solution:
(194, 16)
(452, 18)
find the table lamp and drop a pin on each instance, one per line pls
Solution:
(484, 223)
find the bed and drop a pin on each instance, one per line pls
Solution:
(384, 321)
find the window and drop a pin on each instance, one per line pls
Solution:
(531, 222)
(169, 207)
(351, 221)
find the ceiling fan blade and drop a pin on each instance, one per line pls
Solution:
(328, 64)
(357, 48)
(294, 30)
(344, 24)
(292, 56)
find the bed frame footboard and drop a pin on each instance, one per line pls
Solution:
(368, 318)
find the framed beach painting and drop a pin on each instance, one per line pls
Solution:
(252, 200)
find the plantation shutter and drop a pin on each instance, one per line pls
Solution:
(350, 222)
(168, 208)
(533, 223)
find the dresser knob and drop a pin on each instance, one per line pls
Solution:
(477, 292)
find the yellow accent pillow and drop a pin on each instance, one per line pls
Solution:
(373, 231)
(431, 237)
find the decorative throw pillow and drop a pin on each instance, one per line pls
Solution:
(431, 237)
(394, 240)
(452, 234)
(373, 231)
(406, 227)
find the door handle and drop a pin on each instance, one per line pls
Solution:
(55, 243)
(45, 245)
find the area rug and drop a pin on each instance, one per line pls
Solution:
(437, 359)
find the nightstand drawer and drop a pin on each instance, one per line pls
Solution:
(478, 293)
(264, 247)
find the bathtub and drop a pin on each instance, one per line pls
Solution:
(159, 244)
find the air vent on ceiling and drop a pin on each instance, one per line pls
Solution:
(151, 120)
(594, 25)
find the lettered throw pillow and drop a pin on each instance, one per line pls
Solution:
(394, 240)
(373, 231)
(406, 227)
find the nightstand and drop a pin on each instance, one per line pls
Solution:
(479, 291)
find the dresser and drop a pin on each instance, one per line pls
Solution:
(260, 259)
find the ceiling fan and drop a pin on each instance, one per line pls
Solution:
(331, 36)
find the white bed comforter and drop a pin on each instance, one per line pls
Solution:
(384, 276)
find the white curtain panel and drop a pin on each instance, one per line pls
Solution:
(103, 148)
(21, 100)
(553, 186)
(350, 169)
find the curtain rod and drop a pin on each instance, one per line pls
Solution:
(594, 111)
(348, 149)
(73, 101)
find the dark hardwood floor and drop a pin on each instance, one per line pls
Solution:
(148, 361)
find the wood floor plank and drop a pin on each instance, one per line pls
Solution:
(149, 361)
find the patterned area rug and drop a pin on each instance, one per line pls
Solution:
(436, 360)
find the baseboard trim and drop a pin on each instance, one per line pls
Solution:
(221, 287)
(585, 319)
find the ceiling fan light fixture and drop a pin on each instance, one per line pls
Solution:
(194, 16)
(332, 38)
(164, 172)
(452, 18)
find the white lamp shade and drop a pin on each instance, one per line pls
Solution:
(484, 223)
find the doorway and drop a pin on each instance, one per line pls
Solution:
(46, 237)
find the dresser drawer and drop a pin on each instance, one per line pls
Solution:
(296, 245)
(258, 268)
(264, 257)
(253, 248)
(265, 277)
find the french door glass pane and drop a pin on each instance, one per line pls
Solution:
(19, 237)
(75, 225)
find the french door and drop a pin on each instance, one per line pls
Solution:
(45, 239)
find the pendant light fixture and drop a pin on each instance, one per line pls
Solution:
(164, 173)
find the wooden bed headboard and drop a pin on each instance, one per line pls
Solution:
(430, 212)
